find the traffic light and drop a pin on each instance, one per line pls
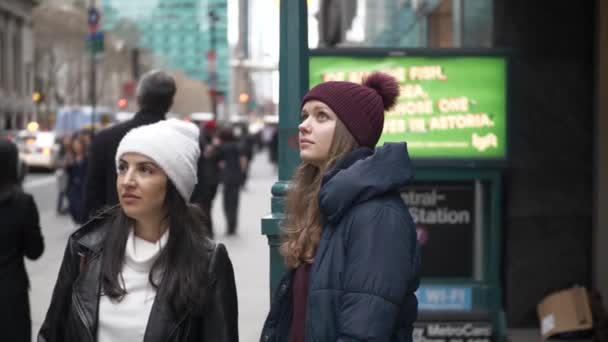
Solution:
(37, 97)
(122, 103)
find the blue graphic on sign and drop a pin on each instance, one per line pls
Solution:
(99, 35)
(445, 298)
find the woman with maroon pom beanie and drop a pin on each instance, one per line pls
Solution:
(349, 240)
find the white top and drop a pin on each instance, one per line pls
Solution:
(126, 320)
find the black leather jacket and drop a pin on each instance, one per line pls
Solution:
(72, 315)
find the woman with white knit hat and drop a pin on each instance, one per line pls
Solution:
(145, 270)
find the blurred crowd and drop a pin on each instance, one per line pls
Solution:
(226, 153)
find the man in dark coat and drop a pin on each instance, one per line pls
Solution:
(232, 164)
(19, 236)
(208, 175)
(155, 94)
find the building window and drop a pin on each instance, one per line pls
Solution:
(18, 64)
(28, 79)
(440, 24)
(477, 23)
(398, 24)
(2, 61)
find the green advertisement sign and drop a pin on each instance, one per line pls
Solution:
(450, 107)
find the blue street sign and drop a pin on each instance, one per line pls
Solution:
(95, 35)
(436, 297)
(95, 42)
(93, 16)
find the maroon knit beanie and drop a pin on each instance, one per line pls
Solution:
(359, 106)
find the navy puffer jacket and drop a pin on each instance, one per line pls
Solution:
(366, 266)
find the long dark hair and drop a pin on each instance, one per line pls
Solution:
(181, 264)
(302, 223)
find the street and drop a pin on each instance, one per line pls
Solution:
(248, 250)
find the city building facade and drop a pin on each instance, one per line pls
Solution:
(16, 63)
(184, 35)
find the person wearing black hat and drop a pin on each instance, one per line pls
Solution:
(20, 237)
(155, 92)
(349, 241)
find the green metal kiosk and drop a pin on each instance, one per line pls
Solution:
(453, 113)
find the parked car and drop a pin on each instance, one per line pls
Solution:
(38, 149)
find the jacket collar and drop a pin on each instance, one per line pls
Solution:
(149, 115)
(346, 162)
(92, 233)
(162, 323)
(362, 175)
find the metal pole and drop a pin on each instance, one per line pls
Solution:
(293, 84)
(213, 71)
(478, 235)
(135, 63)
(93, 91)
(93, 85)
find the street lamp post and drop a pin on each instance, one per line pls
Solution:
(93, 22)
(212, 63)
(293, 84)
(93, 92)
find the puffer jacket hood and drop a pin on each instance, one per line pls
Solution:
(363, 175)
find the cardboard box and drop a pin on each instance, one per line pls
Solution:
(565, 311)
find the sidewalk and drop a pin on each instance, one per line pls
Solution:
(248, 250)
(43, 272)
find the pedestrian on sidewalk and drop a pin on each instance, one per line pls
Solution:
(65, 155)
(233, 164)
(20, 237)
(208, 174)
(146, 270)
(350, 243)
(155, 93)
(76, 169)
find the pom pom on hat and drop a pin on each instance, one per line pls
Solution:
(359, 106)
(386, 86)
(173, 145)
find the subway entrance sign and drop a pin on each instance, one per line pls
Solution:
(452, 108)
(447, 223)
(457, 213)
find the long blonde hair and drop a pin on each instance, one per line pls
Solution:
(302, 224)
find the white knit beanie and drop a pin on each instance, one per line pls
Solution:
(173, 145)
